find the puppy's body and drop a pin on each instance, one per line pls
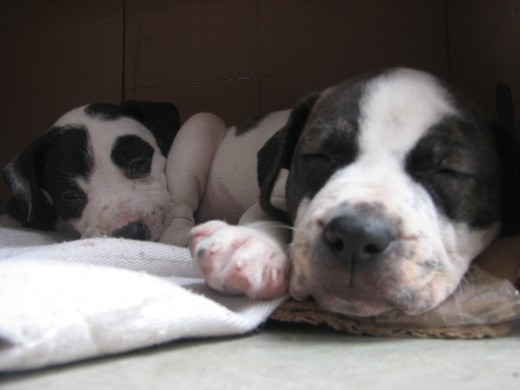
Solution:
(211, 171)
(393, 189)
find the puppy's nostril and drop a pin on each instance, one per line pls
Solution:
(373, 249)
(335, 243)
(133, 230)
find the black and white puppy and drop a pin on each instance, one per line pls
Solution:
(101, 168)
(394, 187)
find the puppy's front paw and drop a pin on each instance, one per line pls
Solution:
(240, 260)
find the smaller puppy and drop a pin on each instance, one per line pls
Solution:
(99, 167)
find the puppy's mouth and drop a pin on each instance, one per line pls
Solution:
(363, 302)
(145, 226)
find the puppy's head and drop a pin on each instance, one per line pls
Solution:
(101, 168)
(393, 188)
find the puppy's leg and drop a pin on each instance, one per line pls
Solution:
(187, 168)
(249, 259)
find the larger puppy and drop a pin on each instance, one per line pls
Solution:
(394, 187)
(101, 168)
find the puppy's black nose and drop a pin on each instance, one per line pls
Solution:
(134, 230)
(360, 235)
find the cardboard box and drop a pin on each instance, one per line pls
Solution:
(55, 55)
(237, 58)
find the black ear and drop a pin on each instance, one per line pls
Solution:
(508, 148)
(161, 118)
(23, 176)
(277, 154)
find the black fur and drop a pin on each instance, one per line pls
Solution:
(248, 125)
(277, 153)
(457, 163)
(162, 119)
(49, 163)
(133, 155)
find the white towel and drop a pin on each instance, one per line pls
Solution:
(66, 301)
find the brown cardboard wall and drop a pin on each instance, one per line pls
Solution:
(309, 45)
(201, 54)
(484, 48)
(55, 55)
(237, 58)
(241, 58)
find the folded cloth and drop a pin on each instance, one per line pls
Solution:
(63, 301)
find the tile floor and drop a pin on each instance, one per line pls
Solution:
(295, 357)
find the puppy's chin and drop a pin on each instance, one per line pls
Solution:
(341, 300)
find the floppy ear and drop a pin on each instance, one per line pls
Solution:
(23, 176)
(277, 154)
(161, 118)
(508, 148)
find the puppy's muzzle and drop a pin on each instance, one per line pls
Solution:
(360, 236)
(354, 265)
(134, 230)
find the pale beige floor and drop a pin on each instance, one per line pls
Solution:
(294, 357)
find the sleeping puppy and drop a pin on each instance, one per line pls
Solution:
(99, 167)
(115, 170)
(394, 186)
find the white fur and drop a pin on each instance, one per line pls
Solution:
(211, 171)
(114, 200)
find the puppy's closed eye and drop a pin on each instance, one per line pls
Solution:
(72, 196)
(440, 158)
(69, 200)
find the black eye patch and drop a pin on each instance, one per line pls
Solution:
(316, 162)
(64, 161)
(133, 155)
(436, 155)
(456, 168)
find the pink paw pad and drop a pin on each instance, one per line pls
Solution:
(239, 260)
